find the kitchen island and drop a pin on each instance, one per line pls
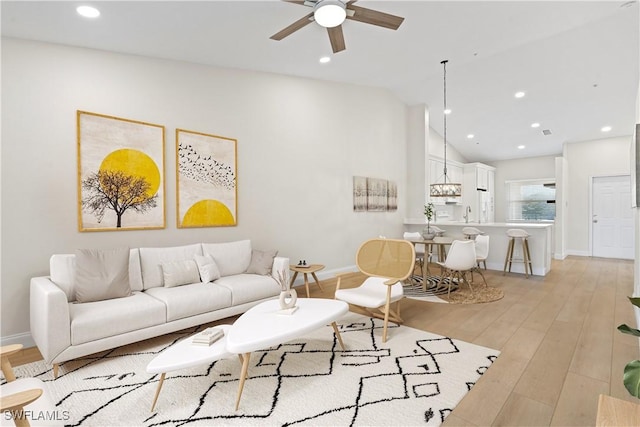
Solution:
(540, 241)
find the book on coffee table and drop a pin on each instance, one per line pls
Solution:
(207, 337)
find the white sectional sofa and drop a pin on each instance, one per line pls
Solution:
(64, 329)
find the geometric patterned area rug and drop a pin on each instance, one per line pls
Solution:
(459, 295)
(415, 378)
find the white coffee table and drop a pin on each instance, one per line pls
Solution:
(186, 355)
(262, 327)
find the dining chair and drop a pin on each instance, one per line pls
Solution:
(422, 255)
(24, 398)
(387, 263)
(482, 252)
(461, 259)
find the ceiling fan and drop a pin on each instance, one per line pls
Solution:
(332, 13)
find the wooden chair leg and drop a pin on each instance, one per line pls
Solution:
(386, 314)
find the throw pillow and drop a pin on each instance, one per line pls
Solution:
(178, 273)
(261, 262)
(208, 268)
(101, 274)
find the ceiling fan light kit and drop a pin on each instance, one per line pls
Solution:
(445, 188)
(329, 13)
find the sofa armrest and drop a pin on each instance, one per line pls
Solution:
(49, 318)
(280, 265)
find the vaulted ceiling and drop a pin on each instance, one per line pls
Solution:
(576, 61)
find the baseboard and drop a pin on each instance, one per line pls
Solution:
(25, 339)
(578, 253)
(324, 275)
(559, 256)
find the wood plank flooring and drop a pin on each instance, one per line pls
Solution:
(557, 334)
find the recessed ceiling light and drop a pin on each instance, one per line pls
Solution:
(325, 59)
(519, 94)
(606, 129)
(520, 147)
(535, 125)
(470, 136)
(88, 11)
(447, 111)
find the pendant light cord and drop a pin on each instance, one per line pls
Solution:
(444, 113)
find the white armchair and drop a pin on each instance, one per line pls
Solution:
(25, 398)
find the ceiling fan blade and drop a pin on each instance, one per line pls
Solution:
(300, 2)
(369, 16)
(292, 28)
(336, 37)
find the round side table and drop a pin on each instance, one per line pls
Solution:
(306, 269)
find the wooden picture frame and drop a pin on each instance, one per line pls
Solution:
(120, 173)
(206, 186)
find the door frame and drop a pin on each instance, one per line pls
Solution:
(590, 219)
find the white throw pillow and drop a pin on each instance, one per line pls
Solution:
(208, 268)
(232, 257)
(101, 275)
(178, 273)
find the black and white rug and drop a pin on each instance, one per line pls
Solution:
(413, 288)
(415, 378)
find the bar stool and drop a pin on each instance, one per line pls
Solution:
(470, 233)
(513, 234)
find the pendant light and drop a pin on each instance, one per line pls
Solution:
(446, 188)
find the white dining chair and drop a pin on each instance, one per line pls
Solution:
(482, 252)
(461, 259)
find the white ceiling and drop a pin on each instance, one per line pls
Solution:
(577, 61)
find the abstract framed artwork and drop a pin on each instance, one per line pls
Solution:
(374, 195)
(120, 173)
(206, 180)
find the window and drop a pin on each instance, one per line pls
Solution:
(531, 200)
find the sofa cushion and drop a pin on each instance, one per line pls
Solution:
(190, 300)
(261, 262)
(151, 260)
(102, 274)
(178, 273)
(249, 287)
(207, 268)
(96, 320)
(62, 271)
(231, 258)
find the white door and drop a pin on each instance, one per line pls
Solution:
(612, 217)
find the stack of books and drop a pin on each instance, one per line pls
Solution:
(207, 337)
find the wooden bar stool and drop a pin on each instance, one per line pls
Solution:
(513, 234)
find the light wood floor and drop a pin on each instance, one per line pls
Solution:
(557, 334)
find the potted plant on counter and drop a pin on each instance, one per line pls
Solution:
(429, 214)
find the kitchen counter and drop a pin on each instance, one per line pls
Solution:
(540, 241)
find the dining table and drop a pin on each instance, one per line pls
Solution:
(440, 243)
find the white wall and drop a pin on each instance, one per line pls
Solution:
(300, 142)
(585, 160)
(518, 169)
(436, 148)
(418, 123)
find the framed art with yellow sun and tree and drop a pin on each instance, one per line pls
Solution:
(120, 173)
(206, 180)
